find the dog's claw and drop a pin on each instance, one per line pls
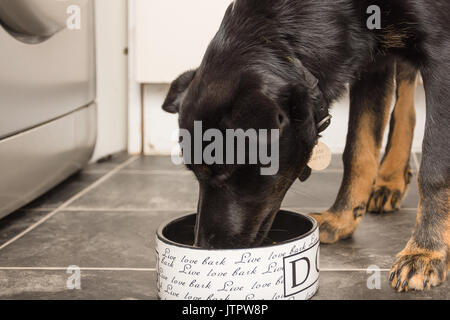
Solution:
(404, 284)
(387, 195)
(391, 277)
(384, 199)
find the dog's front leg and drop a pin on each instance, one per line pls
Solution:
(370, 101)
(425, 261)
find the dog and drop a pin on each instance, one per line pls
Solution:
(280, 64)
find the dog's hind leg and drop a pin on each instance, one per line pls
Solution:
(370, 103)
(395, 175)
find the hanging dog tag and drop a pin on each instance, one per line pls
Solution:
(321, 157)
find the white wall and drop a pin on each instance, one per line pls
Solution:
(160, 125)
(134, 88)
(112, 76)
(172, 35)
(166, 38)
(159, 28)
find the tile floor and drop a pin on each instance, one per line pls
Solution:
(104, 218)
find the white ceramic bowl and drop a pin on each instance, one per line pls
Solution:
(288, 269)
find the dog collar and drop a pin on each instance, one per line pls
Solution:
(323, 124)
(322, 116)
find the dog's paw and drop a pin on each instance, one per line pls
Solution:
(336, 226)
(418, 269)
(387, 194)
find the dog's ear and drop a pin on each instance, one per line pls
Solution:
(301, 106)
(177, 92)
(308, 91)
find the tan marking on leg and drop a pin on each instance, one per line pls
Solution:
(418, 269)
(336, 224)
(447, 232)
(394, 174)
(365, 162)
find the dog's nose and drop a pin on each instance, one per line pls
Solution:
(226, 238)
(223, 222)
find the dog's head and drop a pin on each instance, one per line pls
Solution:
(238, 202)
(239, 199)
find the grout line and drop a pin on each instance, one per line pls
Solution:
(157, 172)
(151, 210)
(416, 161)
(353, 270)
(154, 269)
(98, 172)
(81, 268)
(308, 210)
(36, 209)
(186, 172)
(82, 209)
(69, 201)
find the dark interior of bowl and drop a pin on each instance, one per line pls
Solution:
(286, 227)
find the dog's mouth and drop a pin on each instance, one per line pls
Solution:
(235, 234)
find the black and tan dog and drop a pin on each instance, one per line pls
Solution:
(281, 64)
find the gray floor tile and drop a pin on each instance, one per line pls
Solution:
(337, 162)
(126, 239)
(152, 163)
(108, 163)
(90, 240)
(419, 157)
(100, 238)
(143, 191)
(180, 192)
(130, 285)
(353, 286)
(376, 242)
(321, 189)
(95, 285)
(16, 222)
(64, 191)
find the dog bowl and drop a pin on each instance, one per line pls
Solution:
(287, 269)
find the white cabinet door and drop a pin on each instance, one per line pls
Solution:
(172, 36)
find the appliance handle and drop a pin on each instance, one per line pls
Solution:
(34, 21)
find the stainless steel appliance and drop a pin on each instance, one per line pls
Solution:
(47, 95)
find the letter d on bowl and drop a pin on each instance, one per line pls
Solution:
(301, 271)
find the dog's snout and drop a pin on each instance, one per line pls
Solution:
(206, 241)
(219, 236)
